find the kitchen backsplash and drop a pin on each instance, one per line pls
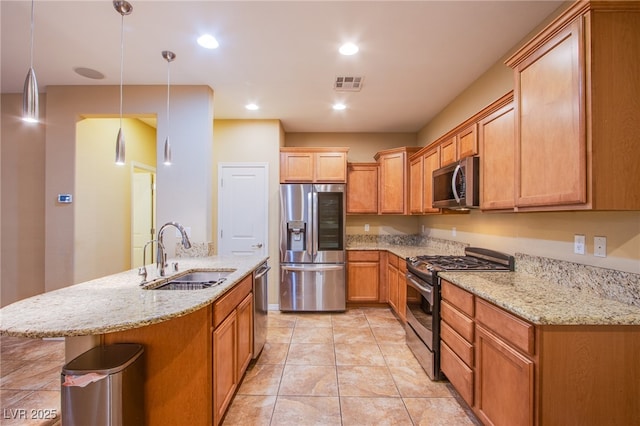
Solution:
(447, 247)
(197, 250)
(609, 283)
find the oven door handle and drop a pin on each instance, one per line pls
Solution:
(415, 283)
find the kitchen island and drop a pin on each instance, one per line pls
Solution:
(197, 342)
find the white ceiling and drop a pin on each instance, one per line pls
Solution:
(415, 56)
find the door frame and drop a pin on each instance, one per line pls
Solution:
(253, 165)
(141, 166)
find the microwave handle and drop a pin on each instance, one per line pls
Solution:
(453, 183)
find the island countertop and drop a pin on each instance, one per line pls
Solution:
(117, 302)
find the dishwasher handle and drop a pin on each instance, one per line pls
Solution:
(261, 271)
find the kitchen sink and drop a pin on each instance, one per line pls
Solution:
(197, 280)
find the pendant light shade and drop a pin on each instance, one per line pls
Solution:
(123, 8)
(30, 111)
(169, 57)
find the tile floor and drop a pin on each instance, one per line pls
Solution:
(316, 369)
(30, 381)
(340, 369)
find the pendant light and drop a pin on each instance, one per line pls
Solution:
(123, 8)
(30, 112)
(169, 56)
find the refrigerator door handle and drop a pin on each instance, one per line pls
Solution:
(314, 221)
(312, 268)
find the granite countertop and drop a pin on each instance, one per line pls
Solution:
(117, 302)
(543, 302)
(402, 251)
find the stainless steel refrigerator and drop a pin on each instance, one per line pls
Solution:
(312, 247)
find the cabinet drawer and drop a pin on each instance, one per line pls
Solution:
(517, 331)
(460, 376)
(223, 306)
(461, 299)
(363, 256)
(457, 343)
(458, 321)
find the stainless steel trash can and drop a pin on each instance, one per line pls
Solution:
(104, 386)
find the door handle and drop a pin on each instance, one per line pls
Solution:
(259, 245)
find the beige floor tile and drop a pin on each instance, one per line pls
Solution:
(436, 412)
(250, 410)
(353, 335)
(17, 348)
(30, 378)
(309, 380)
(273, 353)
(414, 383)
(350, 321)
(358, 354)
(279, 320)
(320, 320)
(279, 335)
(374, 411)
(399, 356)
(313, 335)
(366, 381)
(9, 366)
(311, 354)
(37, 408)
(11, 397)
(383, 321)
(307, 411)
(389, 335)
(261, 379)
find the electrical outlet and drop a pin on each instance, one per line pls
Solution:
(454, 232)
(366, 227)
(578, 244)
(600, 246)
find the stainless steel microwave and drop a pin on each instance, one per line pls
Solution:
(457, 186)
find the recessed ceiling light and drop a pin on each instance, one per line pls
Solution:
(252, 107)
(338, 106)
(89, 73)
(348, 49)
(208, 41)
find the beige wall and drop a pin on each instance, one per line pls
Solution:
(362, 146)
(183, 189)
(103, 194)
(22, 148)
(259, 141)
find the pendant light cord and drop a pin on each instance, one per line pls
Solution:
(121, 63)
(168, 86)
(31, 54)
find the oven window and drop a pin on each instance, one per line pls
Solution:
(420, 308)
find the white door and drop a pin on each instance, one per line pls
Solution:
(243, 209)
(142, 213)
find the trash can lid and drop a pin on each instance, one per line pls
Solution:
(106, 359)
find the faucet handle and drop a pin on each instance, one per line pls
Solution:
(142, 271)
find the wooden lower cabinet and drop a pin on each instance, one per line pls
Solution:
(225, 370)
(512, 372)
(504, 382)
(363, 276)
(396, 270)
(245, 333)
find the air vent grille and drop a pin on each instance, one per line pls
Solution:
(348, 83)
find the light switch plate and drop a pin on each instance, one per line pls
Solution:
(600, 246)
(578, 243)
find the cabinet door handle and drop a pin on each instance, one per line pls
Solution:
(259, 245)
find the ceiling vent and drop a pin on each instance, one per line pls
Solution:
(348, 84)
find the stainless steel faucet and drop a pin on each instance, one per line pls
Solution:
(142, 271)
(161, 259)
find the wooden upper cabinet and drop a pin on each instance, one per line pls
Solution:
(467, 141)
(415, 183)
(448, 151)
(576, 108)
(301, 164)
(362, 188)
(394, 178)
(422, 165)
(497, 153)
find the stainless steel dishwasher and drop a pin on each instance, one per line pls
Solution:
(260, 307)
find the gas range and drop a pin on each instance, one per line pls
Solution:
(475, 259)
